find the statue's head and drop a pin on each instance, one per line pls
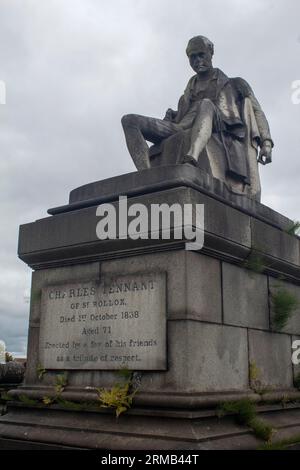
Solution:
(200, 51)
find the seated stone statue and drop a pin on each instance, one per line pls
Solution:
(218, 127)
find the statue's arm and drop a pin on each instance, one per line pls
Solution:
(266, 142)
(183, 103)
(263, 125)
(170, 115)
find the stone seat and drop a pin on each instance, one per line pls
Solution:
(171, 151)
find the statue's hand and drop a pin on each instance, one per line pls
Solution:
(265, 154)
(170, 115)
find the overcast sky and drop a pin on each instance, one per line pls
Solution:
(72, 68)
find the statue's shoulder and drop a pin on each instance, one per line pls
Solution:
(191, 83)
(242, 87)
(220, 75)
(222, 79)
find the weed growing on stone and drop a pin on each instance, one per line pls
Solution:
(294, 228)
(245, 413)
(284, 303)
(281, 444)
(41, 371)
(254, 262)
(120, 396)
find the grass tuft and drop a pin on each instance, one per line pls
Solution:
(245, 413)
(284, 304)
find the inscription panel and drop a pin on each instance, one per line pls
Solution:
(118, 322)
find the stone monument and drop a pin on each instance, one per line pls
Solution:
(195, 329)
(218, 127)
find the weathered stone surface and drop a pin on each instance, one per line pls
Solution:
(203, 358)
(31, 375)
(144, 430)
(271, 353)
(120, 322)
(203, 288)
(222, 220)
(154, 430)
(274, 242)
(174, 265)
(245, 297)
(162, 178)
(293, 325)
(73, 235)
(46, 277)
(41, 279)
(194, 281)
(207, 361)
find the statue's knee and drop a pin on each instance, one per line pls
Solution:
(128, 120)
(206, 106)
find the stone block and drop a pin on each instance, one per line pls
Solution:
(271, 353)
(193, 281)
(173, 263)
(222, 220)
(245, 297)
(203, 358)
(293, 325)
(32, 355)
(71, 236)
(275, 242)
(203, 288)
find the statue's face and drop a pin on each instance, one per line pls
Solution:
(201, 62)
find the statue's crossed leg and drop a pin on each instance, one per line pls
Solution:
(139, 128)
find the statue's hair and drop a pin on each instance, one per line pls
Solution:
(202, 39)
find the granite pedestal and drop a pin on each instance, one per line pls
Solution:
(207, 319)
